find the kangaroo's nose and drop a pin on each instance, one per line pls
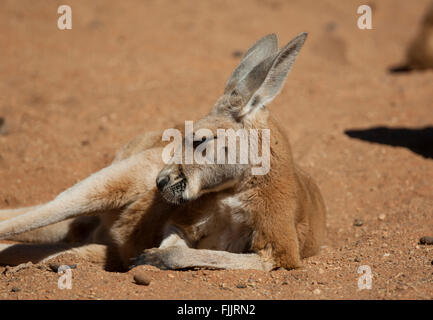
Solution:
(161, 182)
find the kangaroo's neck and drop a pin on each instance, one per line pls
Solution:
(282, 168)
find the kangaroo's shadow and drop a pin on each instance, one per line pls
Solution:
(417, 140)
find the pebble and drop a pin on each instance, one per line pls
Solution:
(382, 217)
(357, 259)
(426, 240)
(15, 289)
(358, 222)
(141, 279)
(241, 286)
(237, 54)
(55, 267)
(317, 291)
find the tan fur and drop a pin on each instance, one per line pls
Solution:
(231, 218)
(284, 208)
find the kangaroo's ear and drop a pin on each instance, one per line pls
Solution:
(259, 51)
(264, 82)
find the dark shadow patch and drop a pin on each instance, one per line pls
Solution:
(400, 69)
(419, 140)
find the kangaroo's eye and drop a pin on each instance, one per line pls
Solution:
(198, 141)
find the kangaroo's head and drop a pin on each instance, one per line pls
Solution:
(213, 153)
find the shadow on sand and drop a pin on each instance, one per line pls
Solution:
(417, 140)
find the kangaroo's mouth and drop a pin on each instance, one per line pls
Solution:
(174, 192)
(179, 186)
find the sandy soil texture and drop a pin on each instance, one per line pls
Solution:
(70, 99)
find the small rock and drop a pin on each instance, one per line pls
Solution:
(241, 286)
(426, 240)
(317, 291)
(382, 217)
(141, 279)
(321, 271)
(357, 259)
(171, 276)
(15, 289)
(237, 54)
(358, 222)
(55, 267)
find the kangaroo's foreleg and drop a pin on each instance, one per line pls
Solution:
(173, 258)
(15, 254)
(174, 253)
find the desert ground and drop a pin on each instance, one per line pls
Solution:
(69, 99)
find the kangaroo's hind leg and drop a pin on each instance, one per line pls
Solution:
(6, 214)
(52, 233)
(15, 254)
(71, 230)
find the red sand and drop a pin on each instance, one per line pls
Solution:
(72, 98)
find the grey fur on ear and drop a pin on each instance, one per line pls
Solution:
(260, 50)
(265, 81)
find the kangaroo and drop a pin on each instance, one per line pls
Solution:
(140, 210)
(419, 53)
